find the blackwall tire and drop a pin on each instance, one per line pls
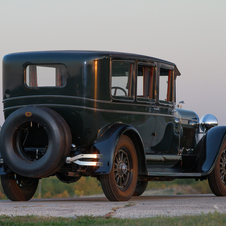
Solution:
(18, 188)
(217, 178)
(68, 138)
(120, 183)
(58, 144)
(140, 188)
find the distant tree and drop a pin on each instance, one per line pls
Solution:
(87, 186)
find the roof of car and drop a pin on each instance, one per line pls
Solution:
(95, 54)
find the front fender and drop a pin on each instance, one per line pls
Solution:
(215, 138)
(106, 144)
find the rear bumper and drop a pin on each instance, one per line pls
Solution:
(93, 160)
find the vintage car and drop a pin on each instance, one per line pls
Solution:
(108, 115)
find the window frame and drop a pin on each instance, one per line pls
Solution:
(170, 92)
(146, 99)
(51, 65)
(132, 75)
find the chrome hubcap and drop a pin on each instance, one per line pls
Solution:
(223, 167)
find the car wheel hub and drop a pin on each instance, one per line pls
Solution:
(122, 169)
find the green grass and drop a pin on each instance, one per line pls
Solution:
(209, 219)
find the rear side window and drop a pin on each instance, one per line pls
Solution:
(45, 75)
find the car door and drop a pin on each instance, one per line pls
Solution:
(167, 128)
(146, 102)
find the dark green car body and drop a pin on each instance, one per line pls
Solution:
(89, 96)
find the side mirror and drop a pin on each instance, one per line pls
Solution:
(207, 122)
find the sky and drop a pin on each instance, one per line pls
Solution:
(189, 33)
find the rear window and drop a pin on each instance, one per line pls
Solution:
(45, 75)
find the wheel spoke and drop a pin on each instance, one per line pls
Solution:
(116, 158)
(117, 179)
(126, 179)
(223, 179)
(223, 155)
(223, 167)
(115, 166)
(121, 157)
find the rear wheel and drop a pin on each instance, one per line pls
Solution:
(217, 178)
(140, 188)
(18, 188)
(120, 183)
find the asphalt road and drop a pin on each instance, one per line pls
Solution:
(137, 207)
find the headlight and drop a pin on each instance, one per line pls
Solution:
(207, 122)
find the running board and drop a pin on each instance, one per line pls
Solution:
(174, 174)
(77, 160)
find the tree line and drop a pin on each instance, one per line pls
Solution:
(53, 188)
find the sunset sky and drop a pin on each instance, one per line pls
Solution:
(190, 33)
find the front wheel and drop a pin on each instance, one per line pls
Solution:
(140, 188)
(217, 178)
(18, 188)
(120, 183)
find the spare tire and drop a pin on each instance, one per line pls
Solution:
(35, 142)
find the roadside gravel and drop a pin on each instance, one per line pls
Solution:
(137, 207)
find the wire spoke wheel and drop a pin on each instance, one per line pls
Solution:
(120, 183)
(217, 178)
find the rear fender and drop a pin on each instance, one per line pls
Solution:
(107, 141)
(215, 139)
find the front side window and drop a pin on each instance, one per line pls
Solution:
(145, 82)
(166, 85)
(45, 75)
(121, 79)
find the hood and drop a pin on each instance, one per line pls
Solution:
(187, 117)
